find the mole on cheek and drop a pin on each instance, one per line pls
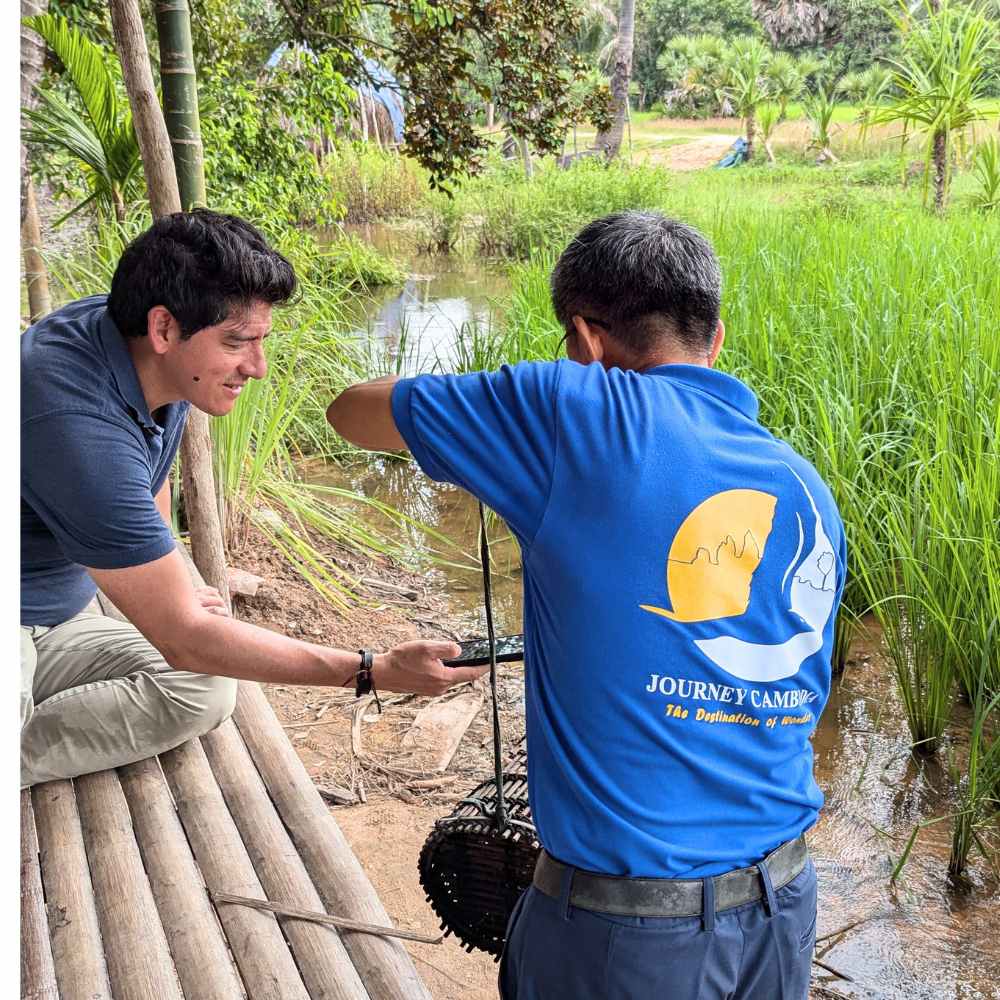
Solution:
(197, 379)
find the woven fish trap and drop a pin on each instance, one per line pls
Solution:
(473, 873)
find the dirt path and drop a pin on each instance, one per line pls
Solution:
(694, 155)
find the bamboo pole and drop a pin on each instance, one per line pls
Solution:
(139, 963)
(77, 949)
(165, 198)
(38, 973)
(343, 886)
(201, 956)
(255, 939)
(180, 99)
(326, 967)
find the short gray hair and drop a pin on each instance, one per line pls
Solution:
(643, 275)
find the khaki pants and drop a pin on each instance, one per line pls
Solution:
(95, 695)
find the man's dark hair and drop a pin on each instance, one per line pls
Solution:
(199, 265)
(645, 277)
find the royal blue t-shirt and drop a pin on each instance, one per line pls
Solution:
(92, 460)
(682, 570)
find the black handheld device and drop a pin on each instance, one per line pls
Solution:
(476, 652)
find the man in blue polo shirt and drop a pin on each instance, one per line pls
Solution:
(682, 570)
(106, 383)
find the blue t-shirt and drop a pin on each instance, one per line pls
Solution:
(92, 460)
(682, 570)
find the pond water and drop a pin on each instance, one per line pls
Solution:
(918, 938)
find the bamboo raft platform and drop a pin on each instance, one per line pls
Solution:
(120, 871)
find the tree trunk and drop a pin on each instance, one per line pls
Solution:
(489, 114)
(165, 198)
(32, 59)
(35, 275)
(150, 129)
(751, 123)
(611, 140)
(529, 170)
(940, 155)
(180, 101)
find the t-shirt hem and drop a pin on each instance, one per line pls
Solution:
(126, 558)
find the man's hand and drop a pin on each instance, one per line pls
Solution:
(211, 600)
(416, 667)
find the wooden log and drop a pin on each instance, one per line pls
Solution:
(77, 949)
(266, 966)
(385, 967)
(139, 963)
(326, 967)
(201, 956)
(38, 973)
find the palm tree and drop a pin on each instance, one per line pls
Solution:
(939, 79)
(611, 140)
(854, 87)
(784, 81)
(102, 138)
(819, 109)
(746, 85)
(768, 118)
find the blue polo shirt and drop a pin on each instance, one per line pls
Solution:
(682, 571)
(92, 460)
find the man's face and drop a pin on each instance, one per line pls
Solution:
(211, 368)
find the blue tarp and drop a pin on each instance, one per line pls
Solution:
(737, 156)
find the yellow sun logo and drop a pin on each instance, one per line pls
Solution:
(714, 555)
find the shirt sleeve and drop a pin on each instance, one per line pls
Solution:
(89, 479)
(492, 433)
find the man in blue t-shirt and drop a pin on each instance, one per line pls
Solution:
(682, 570)
(106, 383)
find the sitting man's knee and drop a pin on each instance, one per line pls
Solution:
(219, 701)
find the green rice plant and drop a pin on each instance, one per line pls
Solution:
(979, 790)
(986, 167)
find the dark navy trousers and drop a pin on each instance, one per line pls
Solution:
(758, 951)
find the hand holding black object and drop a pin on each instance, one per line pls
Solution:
(416, 667)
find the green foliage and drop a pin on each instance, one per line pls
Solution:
(939, 79)
(658, 21)
(819, 108)
(101, 140)
(257, 134)
(372, 184)
(986, 168)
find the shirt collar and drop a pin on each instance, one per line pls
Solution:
(123, 370)
(715, 383)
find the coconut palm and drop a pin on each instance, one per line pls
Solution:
(611, 140)
(746, 85)
(101, 138)
(939, 79)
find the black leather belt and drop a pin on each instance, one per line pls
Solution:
(668, 897)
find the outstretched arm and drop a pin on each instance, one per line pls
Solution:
(362, 415)
(160, 600)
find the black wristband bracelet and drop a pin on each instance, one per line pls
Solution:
(365, 683)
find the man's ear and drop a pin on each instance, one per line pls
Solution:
(162, 329)
(589, 344)
(717, 341)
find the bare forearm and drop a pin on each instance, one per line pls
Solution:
(211, 644)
